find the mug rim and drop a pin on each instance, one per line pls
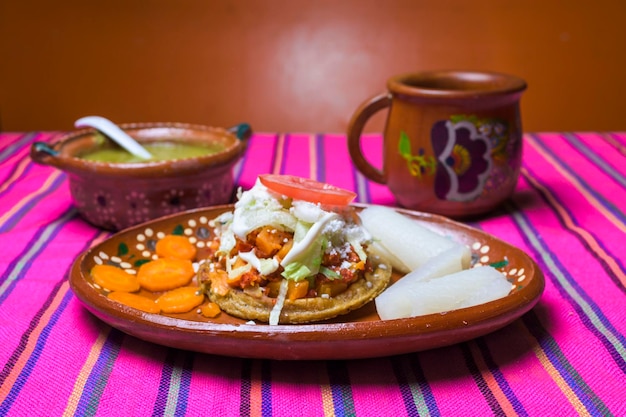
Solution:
(455, 84)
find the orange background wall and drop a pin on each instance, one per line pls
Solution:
(296, 65)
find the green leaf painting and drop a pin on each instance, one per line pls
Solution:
(404, 146)
(122, 249)
(418, 165)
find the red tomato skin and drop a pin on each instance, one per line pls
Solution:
(307, 189)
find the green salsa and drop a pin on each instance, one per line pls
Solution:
(160, 151)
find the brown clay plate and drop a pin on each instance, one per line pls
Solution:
(360, 334)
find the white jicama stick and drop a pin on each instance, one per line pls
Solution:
(411, 243)
(458, 290)
(455, 259)
(396, 263)
(488, 292)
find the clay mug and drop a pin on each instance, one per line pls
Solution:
(452, 140)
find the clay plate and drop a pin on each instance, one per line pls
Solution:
(360, 334)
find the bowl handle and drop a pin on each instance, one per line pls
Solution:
(43, 154)
(243, 131)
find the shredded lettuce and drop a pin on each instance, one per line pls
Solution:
(329, 273)
(315, 231)
(296, 271)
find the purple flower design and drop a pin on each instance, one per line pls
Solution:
(464, 160)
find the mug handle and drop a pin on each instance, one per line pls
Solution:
(355, 128)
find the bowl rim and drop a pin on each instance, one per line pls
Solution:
(235, 148)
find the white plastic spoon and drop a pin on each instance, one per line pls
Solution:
(113, 131)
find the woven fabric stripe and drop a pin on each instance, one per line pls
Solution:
(296, 155)
(14, 163)
(322, 166)
(14, 144)
(598, 159)
(40, 332)
(138, 368)
(618, 137)
(565, 357)
(165, 385)
(264, 148)
(37, 187)
(256, 390)
(611, 265)
(416, 393)
(612, 139)
(266, 389)
(372, 147)
(560, 324)
(339, 379)
(328, 408)
(373, 382)
(557, 358)
(174, 384)
(8, 138)
(495, 378)
(15, 376)
(246, 389)
(98, 378)
(215, 385)
(331, 165)
(454, 395)
(541, 219)
(483, 386)
(40, 335)
(19, 171)
(256, 395)
(92, 358)
(20, 265)
(19, 210)
(586, 397)
(608, 208)
(185, 383)
(548, 177)
(552, 370)
(585, 305)
(314, 161)
(280, 157)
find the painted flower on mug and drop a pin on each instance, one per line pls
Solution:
(463, 152)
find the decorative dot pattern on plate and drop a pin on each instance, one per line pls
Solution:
(145, 243)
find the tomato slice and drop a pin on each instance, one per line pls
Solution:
(306, 189)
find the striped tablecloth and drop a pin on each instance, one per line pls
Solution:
(565, 357)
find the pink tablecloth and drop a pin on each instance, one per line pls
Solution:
(565, 357)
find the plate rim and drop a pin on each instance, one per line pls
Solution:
(452, 324)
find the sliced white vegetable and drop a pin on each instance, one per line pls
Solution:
(455, 259)
(280, 302)
(488, 292)
(402, 236)
(378, 249)
(458, 290)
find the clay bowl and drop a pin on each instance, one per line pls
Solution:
(115, 196)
